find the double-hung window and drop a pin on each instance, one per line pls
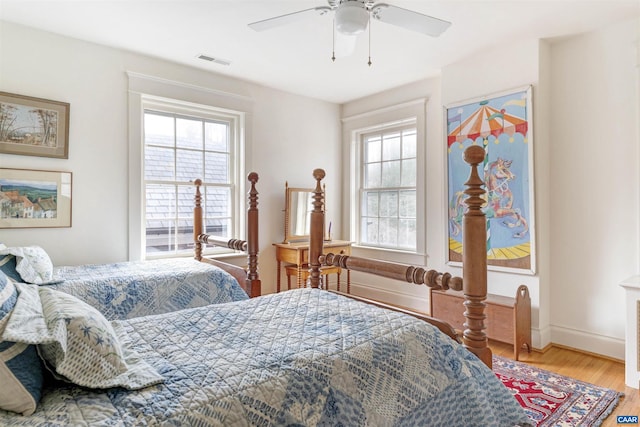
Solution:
(388, 208)
(182, 144)
(387, 180)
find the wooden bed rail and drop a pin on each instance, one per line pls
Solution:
(474, 268)
(235, 244)
(248, 278)
(393, 270)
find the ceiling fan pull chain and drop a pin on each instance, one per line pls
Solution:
(369, 40)
(333, 42)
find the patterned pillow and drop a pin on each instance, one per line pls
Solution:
(86, 350)
(76, 340)
(20, 367)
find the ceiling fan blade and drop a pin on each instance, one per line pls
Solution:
(409, 19)
(277, 21)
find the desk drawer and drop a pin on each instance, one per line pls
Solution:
(342, 250)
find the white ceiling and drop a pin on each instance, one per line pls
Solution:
(297, 57)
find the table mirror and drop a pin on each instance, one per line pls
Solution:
(298, 206)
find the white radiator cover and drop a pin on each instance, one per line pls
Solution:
(632, 335)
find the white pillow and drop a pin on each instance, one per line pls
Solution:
(32, 263)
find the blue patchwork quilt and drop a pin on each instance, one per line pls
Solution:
(132, 289)
(305, 357)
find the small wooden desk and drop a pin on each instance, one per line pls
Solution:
(297, 253)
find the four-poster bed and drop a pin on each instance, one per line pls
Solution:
(130, 289)
(301, 357)
(474, 266)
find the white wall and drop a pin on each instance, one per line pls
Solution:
(289, 137)
(594, 188)
(587, 169)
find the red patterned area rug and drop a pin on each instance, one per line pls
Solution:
(554, 400)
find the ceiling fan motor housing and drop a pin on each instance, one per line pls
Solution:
(352, 17)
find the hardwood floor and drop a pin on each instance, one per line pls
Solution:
(585, 367)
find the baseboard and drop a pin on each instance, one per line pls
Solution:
(578, 350)
(540, 338)
(544, 349)
(588, 342)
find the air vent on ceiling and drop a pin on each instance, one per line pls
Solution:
(214, 59)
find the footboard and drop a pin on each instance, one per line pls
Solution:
(248, 278)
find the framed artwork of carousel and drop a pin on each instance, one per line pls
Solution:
(502, 124)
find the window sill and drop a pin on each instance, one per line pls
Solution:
(386, 254)
(219, 253)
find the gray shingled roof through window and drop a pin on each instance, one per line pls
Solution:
(190, 162)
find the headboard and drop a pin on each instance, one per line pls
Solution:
(248, 278)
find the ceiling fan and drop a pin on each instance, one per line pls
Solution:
(352, 17)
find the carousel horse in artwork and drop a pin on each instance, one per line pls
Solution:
(456, 212)
(499, 200)
(500, 197)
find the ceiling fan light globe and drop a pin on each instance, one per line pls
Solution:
(351, 18)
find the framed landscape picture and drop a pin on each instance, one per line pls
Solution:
(502, 124)
(33, 126)
(34, 198)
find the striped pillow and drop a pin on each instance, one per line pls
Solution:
(20, 366)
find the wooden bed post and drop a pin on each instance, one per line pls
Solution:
(316, 232)
(474, 260)
(253, 281)
(247, 278)
(197, 220)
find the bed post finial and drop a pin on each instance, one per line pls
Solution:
(252, 281)
(474, 259)
(197, 220)
(316, 231)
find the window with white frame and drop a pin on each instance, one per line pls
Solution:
(182, 144)
(388, 202)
